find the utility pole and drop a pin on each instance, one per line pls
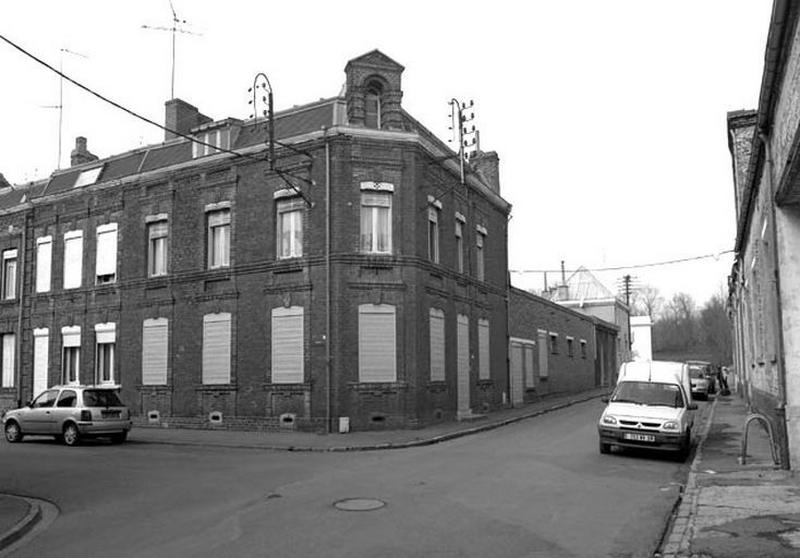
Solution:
(465, 135)
(174, 30)
(60, 105)
(627, 281)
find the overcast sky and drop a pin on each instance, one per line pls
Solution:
(608, 116)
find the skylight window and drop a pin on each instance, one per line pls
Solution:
(88, 177)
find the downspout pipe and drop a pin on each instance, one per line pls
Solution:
(328, 287)
(781, 408)
(21, 290)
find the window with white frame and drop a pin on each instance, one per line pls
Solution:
(88, 177)
(219, 238)
(9, 274)
(437, 345)
(106, 257)
(480, 239)
(106, 341)
(290, 227)
(459, 243)
(214, 140)
(376, 217)
(157, 234)
(41, 359)
(70, 354)
(8, 347)
(155, 343)
(44, 258)
(377, 343)
(217, 348)
(287, 345)
(484, 372)
(433, 234)
(73, 259)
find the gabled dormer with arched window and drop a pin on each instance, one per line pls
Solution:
(374, 92)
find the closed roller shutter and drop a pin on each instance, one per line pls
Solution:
(217, 348)
(44, 256)
(287, 345)
(529, 375)
(73, 259)
(8, 359)
(106, 261)
(155, 343)
(41, 359)
(483, 349)
(377, 359)
(437, 344)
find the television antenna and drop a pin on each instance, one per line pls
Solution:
(175, 29)
(60, 105)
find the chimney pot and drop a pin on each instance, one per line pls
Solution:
(81, 154)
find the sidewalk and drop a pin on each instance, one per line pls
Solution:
(732, 510)
(355, 441)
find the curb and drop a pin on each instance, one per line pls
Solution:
(680, 527)
(23, 526)
(390, 445)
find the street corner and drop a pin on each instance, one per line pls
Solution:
(775, 535)
(21, 518)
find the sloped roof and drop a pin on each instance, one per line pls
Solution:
(375, 58)
(583, 285)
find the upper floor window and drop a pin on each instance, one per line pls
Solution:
(480, 238)
(290, 227)
(106, 261)
(570, 348)
(157, 231)
(9, 274)
(73, 259)
(44, 257)
(219, 238)
(554, 343)
(460, 243)
(372, 106)
(219, 138)
(376, 218)
(433, 234)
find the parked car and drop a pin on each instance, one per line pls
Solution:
(71, 413)
(699, 372)
(649, 408)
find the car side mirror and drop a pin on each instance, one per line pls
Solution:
(692, 406)
(604, 399)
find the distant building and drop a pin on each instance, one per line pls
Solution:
(641, 338)
(764, 299)
(583, 292)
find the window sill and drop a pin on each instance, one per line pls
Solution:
(216, 387)
(486, 382)
(377, 386)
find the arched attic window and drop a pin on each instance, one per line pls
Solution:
(372, 105)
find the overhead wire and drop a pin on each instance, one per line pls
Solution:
(715, 255)
(161, 126)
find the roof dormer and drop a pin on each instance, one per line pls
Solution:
(373, 91)
(214, 136)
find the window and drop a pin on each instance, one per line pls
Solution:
(46, 399)
(372, 106)
(44, 257)
(106, 337)
(459, 245)
(71, 354)
(377, 360)
(376, 222)
(41, 344)
(9, 274)
(219, 238)
(433, 234)
(530, 378)
(217, 348)
(290, 227)
(157, 247)
(437, 344)
(73, 259)
(106, 260)
(220, 138)
(155, 343)
(484, 372)
(479, 269)
(583, 348)
(8, 346)
(287, 345)
(87, 177)
(554, 343)
(570, 349)
(68, 398)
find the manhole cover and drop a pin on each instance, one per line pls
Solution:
(359, 504)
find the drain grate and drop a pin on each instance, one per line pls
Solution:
(359, 504)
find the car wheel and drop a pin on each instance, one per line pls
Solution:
(71, 436)
(605, 448)
(13, 432)
(119, 438)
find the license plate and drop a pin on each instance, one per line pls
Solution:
(639, 437)
(109, 414)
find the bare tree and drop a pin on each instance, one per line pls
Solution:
(647, 301)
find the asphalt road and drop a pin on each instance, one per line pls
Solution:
(535, 488)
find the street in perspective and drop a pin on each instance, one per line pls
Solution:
(264, 293)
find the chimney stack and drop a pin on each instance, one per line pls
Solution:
(181, 117)
(487, 165)
(80, 154)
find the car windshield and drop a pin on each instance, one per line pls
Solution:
(648, 393)
(101, 398)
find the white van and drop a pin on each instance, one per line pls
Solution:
(651, 407)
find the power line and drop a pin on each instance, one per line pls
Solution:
(153, 122)
(624, 267)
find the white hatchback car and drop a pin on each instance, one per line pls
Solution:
(71, 413)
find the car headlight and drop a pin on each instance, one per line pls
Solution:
(608, 419)
(671, 425)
